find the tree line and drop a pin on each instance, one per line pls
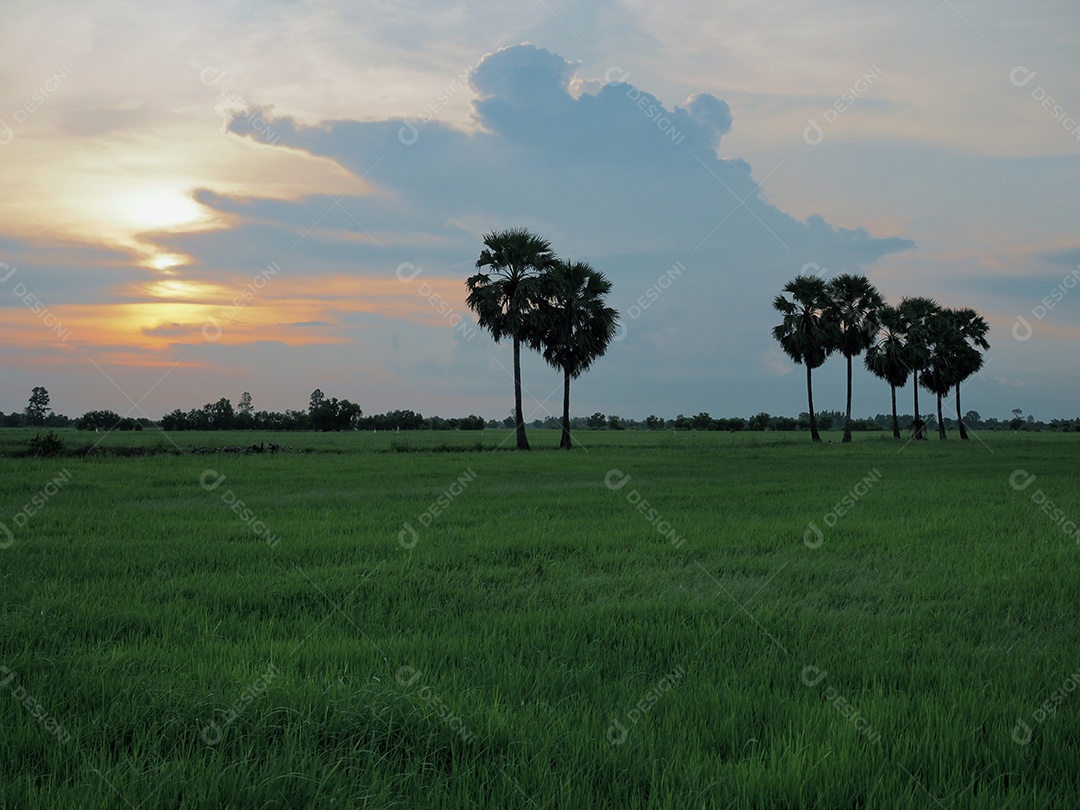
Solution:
(326, 414)
(936, 347)
(323, 413)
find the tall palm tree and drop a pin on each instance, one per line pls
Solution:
(886, 357)
(944, 348)
(917, 313)
(805, 334)
(973, 329)
(576, 326)
(853, 309)
(505, 299)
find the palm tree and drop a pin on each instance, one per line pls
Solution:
(886, 357)
(576, 327)
(944, 348)
(805, 334)
(917, 313)
(973, 329)
(505, 299)
(853, 309)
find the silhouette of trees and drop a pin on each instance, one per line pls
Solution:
(553, 306)
(853, 308)
(806, 334)
(938, 348)
(574, 326)
(917, 313)
(38, 408)
(506, 299)
(886, 357)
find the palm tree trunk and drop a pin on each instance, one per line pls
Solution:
(940, 421)
(847, 414)
(920, 433)
(565, 443)
(814, 435)
(915, 381)
(895, 419)
(959, 418)
(519, 420)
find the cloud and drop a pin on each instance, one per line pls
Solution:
(613, 176)
(1069, 258)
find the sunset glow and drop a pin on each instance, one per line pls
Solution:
(181, 195)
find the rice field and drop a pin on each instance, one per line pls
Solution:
(431, 620)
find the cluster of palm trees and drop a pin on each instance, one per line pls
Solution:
(937, 347)
(524, 292)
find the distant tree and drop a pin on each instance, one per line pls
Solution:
(1017, 421)
(177, 420)
(759, 421)
(505, 299)
(702, 421)
(317, 399)
(854, 304)
(614, 423)
(14, 419)
(805, 334)
(653, 422)
(332, 414)
(219, 415)
(323, 413)
(597, 421)
(38, 407)
(347, 416)
(574, 325)
(245, 403)
(100, 420)
(887, 357)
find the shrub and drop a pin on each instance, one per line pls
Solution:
(43, 446)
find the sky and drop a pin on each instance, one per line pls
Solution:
(207, 198)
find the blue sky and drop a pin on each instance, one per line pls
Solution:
(270, 168)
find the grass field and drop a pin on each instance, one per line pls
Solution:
(653, 620)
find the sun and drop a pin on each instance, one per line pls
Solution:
(159, 208)
(166, 261)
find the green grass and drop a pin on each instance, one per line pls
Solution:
(484, 660)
